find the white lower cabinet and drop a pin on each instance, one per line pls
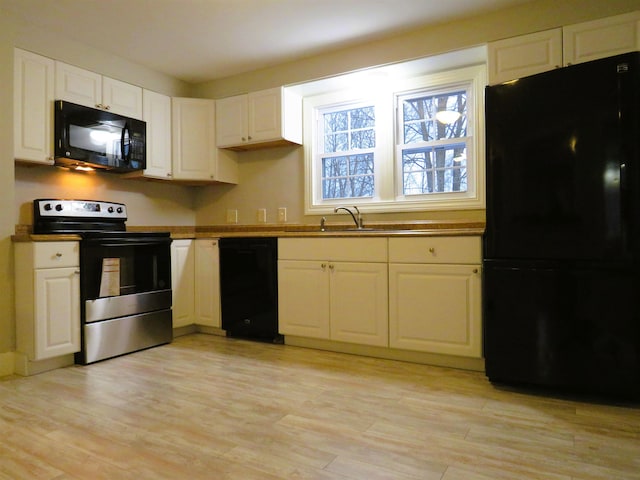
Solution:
(47, 299)
(322, 294)
(207, 283)
(435, 295)
(195, 272)
(183, 282)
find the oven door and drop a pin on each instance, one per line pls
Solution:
(124, 274)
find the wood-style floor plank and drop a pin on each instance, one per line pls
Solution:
(207, 407)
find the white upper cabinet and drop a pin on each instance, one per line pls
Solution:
(525, 55)
(265, 118)
(157, 115)
(195, 156)
(194, 149)
(538, 52)
(33, 107)
(231, 128)
(601, 38)
(87, 88)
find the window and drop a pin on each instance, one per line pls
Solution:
(347, 153)
(433, 143)
(426, 155)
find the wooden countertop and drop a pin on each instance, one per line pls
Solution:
(425, 228)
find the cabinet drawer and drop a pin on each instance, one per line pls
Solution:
(56, 254)
(335, 249)
(465, 250)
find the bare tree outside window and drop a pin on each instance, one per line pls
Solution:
(436, 161)
(348, 159)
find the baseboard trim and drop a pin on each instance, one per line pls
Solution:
(7, 364)
(25, 367)
(451, 361)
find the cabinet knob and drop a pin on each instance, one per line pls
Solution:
(323, 265)
(244, 139)
(249, 137)
(475, 270)
(432, 250)
(331, 266)
(58, 254)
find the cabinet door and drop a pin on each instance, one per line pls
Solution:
(207, 283)
(79, 86)
(57, 312)
(33, 107)
(194, 149)
(524, 55)
(265, 115)
(122, 98)
(182, 280)
(231, 127)
(157, 114)
(358, 299)
(435, 308)
(303, 298)
(602, 38)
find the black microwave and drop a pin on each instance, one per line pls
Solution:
(88, 138)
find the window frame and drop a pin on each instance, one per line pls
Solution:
(388, 196)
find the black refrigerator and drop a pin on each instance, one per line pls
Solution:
(561, 267)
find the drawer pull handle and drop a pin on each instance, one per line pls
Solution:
(58, 254)
(432, 250)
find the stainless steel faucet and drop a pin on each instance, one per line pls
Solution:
(357, 221)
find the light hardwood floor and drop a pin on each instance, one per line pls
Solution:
(207, 407)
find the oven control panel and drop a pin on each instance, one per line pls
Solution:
(52, 208)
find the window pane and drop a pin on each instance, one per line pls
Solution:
(363, 139)
(348, 176)
(349, 129)
(434, 170)
(336, 143)
(363, 117)
(335, 122)
(334, 167)
(422, 122)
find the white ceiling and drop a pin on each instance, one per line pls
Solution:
(201, 40)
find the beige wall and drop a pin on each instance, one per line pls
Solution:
(273, 178)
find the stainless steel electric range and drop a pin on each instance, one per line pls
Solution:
(125, 277)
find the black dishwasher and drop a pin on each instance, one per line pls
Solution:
(249, 287)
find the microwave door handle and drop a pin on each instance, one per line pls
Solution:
(125, 143)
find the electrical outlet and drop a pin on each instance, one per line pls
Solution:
(282, 214)
(232, 216)
(261, 215)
